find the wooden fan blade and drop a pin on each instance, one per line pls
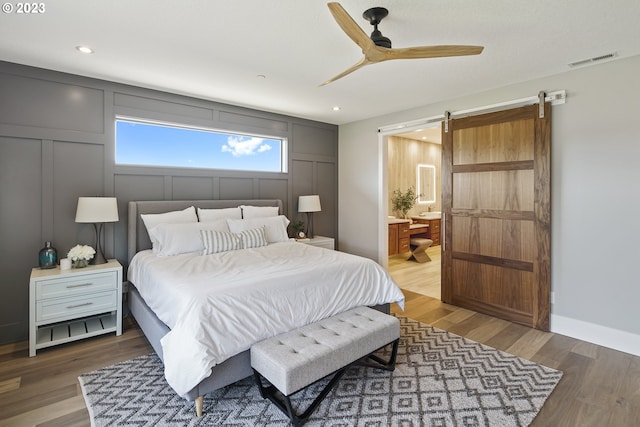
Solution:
(349, 26)
(429, 52)
(364, 61)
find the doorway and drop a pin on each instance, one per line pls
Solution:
(414, 159)
(496, 210)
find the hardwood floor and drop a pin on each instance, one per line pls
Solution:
(423, 278)
(600, 386)
(44, 390)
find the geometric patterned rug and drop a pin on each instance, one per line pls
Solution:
(441, 379)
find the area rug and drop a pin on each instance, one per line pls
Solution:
(440, 379)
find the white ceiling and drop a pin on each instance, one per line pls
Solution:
(216, 49)
(431, 134)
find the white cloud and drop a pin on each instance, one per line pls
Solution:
(239, 146)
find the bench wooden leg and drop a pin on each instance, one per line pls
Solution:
(420, 257)
(199, 405)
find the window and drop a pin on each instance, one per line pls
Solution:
(163, 144)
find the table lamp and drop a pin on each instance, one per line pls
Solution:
(308, 205)
(97, 210)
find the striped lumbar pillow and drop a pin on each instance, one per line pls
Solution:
(252, 238)
(219, 241)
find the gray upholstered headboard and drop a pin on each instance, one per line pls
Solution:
(137, 237)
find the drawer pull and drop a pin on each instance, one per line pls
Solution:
(79, 285)
(79, 305)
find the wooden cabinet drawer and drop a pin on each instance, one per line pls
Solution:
(58, 309)
(434, 232)
(69, 286)
(403, 230)
(404, 245)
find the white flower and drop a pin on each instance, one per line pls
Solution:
(81, 252)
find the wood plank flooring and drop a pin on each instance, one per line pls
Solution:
(423, 278)
(600, 387)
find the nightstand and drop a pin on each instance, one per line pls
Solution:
(68, 305)
(320, 241)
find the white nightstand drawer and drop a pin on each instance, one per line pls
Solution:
(321, 242)
(68, 286)
(59, 309)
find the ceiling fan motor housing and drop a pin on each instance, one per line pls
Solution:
(374, 16)
(380, 40)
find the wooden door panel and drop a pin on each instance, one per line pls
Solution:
(496, 212)
(500, 190)
(493, 290)
(493, 284)
(494, 237)
(494, 143)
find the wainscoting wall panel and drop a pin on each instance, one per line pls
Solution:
(145, 104)
(57, 143)
(192, 188)
(327, 185)
(78, 169)
(21, 225)
(34, 102)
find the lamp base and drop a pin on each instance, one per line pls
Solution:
(309, 225)
(98, 258)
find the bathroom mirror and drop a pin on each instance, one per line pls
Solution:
(426, 184)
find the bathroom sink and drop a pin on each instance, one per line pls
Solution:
(431, 215)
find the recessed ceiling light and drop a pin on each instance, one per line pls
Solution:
(336, 108)
(84, 49)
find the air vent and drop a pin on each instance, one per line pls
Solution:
(593, 60)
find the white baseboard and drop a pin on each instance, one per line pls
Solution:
(596, 334)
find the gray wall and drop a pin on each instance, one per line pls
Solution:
(595, 195)
(57, 143)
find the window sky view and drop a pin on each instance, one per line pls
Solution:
(162, 145)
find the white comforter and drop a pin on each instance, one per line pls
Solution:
(219, 305)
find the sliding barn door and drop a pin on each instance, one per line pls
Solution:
(496, 210)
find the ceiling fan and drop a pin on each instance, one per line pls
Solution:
(377, 48)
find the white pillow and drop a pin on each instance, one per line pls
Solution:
(219, 241)
(275, 227)
(205, 215)
(186, 215)
(182, 238)
(249, 212)
(252, 238)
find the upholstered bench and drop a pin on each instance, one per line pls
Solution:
(418, 249)
(291, 361)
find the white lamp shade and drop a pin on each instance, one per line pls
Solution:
(97, 209)
(309, 203)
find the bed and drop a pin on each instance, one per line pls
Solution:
(289, 268)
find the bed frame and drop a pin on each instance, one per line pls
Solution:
(231, 370)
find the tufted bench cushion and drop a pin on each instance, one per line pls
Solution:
(296, 359)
